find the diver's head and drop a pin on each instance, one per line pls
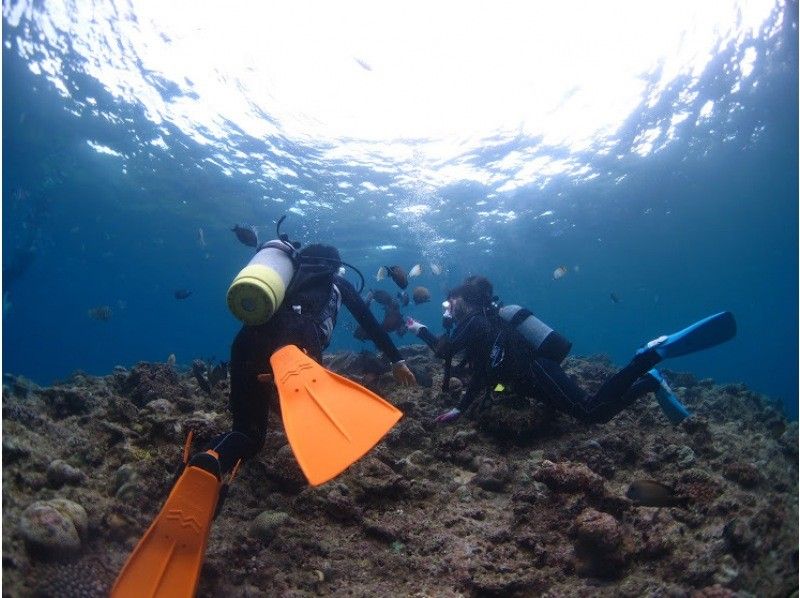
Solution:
(318, 254)
(474, 293)
(317, 264)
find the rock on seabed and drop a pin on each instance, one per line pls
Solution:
(52, 529)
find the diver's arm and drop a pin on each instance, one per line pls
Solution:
(429, 338)
(356, 306)
(439, 344)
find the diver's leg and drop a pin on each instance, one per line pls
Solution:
(201, 485)
(614, 396)
(250, 398)
(552, 384)
(622, 389)
(604, 405)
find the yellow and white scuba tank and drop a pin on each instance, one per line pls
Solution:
(259, 289)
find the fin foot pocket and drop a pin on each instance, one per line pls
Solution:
(207, 462)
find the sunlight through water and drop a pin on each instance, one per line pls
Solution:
(417, 92)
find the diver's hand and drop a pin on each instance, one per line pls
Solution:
(402, 374)
(448, 416)
(414, 326)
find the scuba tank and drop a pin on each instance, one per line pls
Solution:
(260, 287)
(545, 341)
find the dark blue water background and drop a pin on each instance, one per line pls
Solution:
(709, 223)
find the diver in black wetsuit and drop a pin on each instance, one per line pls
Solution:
(289, 301)
(496, 352)
(306, 319)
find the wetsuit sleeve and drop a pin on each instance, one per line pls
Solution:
(360, 310)
(429, 339)
(440, 345)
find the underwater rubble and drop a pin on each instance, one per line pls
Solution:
(514, 500)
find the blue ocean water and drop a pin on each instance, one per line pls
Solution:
(684, 211)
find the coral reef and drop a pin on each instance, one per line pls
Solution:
(514, 500)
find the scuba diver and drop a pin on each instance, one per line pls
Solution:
(288, 299)
(509, 345)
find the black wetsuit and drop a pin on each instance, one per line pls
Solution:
(496, 353)
(305, 319)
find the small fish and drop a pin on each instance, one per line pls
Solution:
(247, 235)
(199, 369)
(368, 298)
(398, 275)
(171, 360)
(218, 373)
(436, 269)
(576, 268)
(393, 320)
(559, 272)
(201, 238)
(649, 493)
(182, 294)
(615, 298)
(403, 297)
(381, 274)
(421, 295)
(101, 313)
(382, 297)
(415, 271)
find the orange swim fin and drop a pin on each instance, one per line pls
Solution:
(330, 421)
(166, 562)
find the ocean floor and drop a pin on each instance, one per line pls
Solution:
(513, 501)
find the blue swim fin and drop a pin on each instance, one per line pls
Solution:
(706, 333)
(675, 411)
